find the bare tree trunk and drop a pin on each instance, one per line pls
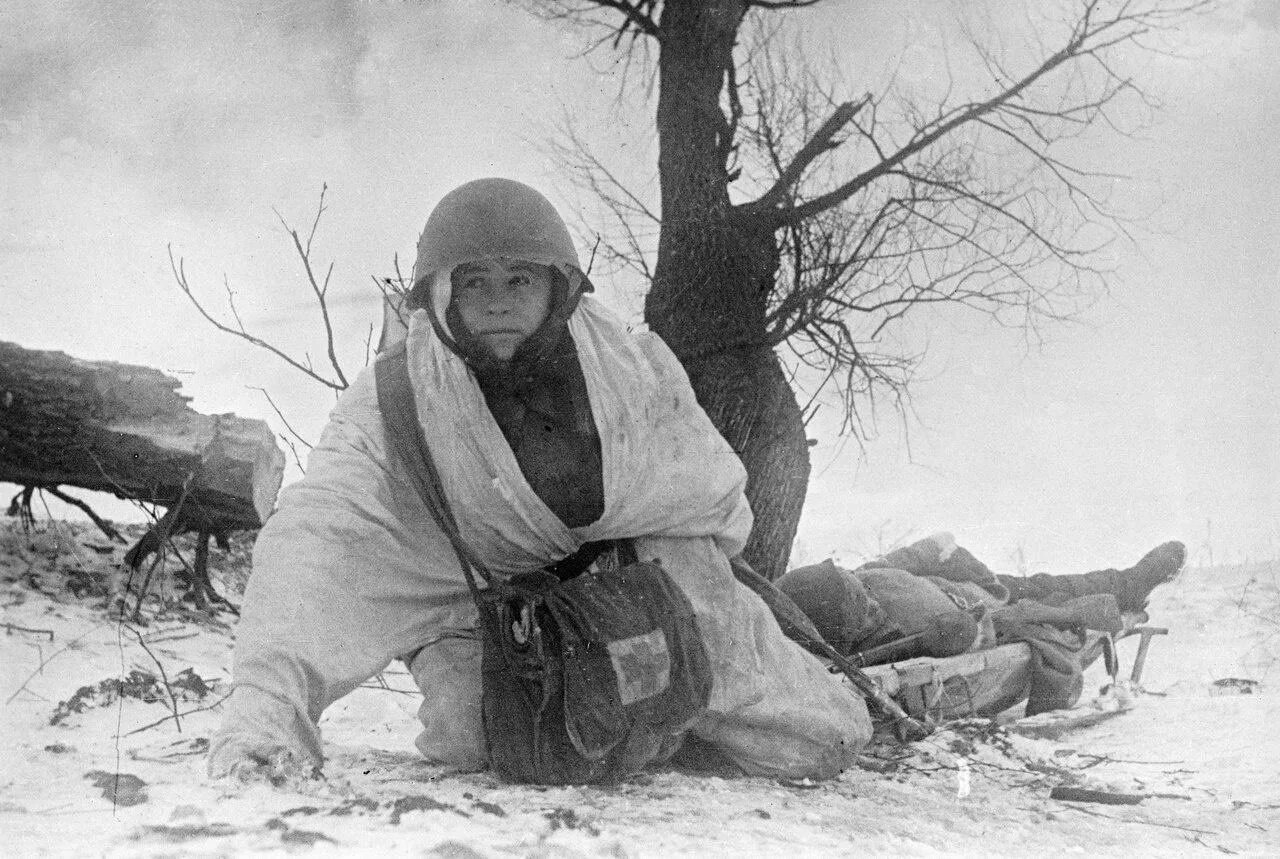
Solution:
(750, 402)
(967, 201)
(714, 273)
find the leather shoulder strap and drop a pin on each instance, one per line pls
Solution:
(399, 410)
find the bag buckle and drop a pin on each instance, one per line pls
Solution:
(524, 626)
(522, 636)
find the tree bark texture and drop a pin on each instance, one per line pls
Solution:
(715, 269)
(124, 429)
(748, 399)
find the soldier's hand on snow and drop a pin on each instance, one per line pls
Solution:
(280, 768)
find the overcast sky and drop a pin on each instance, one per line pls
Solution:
(128, 127)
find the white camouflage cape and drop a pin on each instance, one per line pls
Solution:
(351, 571)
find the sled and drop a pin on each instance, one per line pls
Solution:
(971, 684)
(988, 682)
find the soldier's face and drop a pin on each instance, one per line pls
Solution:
(502, 302)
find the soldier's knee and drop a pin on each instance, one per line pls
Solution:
(447, 672)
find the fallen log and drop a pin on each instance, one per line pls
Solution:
(125, 429)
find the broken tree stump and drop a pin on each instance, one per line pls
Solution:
(124, 429)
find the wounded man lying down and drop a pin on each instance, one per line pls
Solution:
(560, 436)
(934, 598)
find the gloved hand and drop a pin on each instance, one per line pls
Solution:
(279, 767)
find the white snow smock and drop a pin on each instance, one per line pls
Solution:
(351, 571)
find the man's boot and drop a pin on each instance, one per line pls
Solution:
(1130, 587)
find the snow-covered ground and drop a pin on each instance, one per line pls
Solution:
(1203, 754)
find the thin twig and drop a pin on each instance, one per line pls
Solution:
(103, 525)
(63, 538)
(183, 636)
(201, 588)
(115, 791)
(1107, 759)
(281, 416)
(180, 276)
(164, 675)
(175, 715)
(320, 289)
(297, 460)
(161, 529)
(13, 627)
(384, 688)
(1138, 820)
(52, 656)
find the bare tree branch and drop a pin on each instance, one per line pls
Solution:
(281, 416)
(637, 17)
(319, 289)
(180, 275)
(955, 221)
(631, 242)
(164, 675)
(816, 145)
(394, 292)
(103, 525)
(1089, 38)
